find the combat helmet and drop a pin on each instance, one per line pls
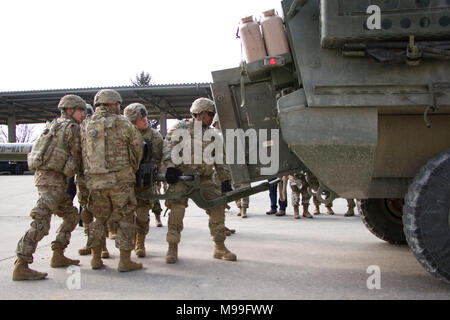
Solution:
(107, 96)
(135, 112)
(71, 101)
(202, 104)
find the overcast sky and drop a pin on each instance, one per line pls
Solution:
(49, 44)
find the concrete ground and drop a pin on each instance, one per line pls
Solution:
(328, 257)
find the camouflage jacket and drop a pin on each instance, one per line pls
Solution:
(72, 145)
(203, 167)
(155, 143)
(111, 149)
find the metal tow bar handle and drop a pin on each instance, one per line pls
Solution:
(192, 179)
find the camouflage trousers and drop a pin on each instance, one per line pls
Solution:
(244, 202)
(305, 196)
(350, 203)
(52, 199)
(178, 207)
(142, 216)
(114, 205)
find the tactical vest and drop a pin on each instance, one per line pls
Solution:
(105, 148)
(50, 152)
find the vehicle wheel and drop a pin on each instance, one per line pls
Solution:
(383, 217)
(426, 216)
(18, 169)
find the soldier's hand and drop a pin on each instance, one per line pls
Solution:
(172, 175)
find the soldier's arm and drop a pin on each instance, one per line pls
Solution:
(74, 145)
(136, 150)
(157, 147)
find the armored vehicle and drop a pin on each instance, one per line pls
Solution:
(362, 101)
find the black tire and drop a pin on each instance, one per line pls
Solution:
(18, 169)
(383, 218)
(426, 216)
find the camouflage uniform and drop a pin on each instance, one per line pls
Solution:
(314, 183)
(52, 185)
(210, 188)
(244, 202)
(299, 186)
(112, 150)
(137, 112)
(350, 208)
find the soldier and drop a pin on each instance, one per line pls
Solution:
(137, 114)
(55, 157)
(86, 215)
(300, 186)
(112, 150)
(202, 111)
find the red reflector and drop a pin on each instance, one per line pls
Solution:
(273, 61)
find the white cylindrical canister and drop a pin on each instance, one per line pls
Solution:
(274, 33)
(252, 41)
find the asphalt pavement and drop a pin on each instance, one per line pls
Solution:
(279, 258)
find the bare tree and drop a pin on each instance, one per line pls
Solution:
(145, 79)
(24, 133)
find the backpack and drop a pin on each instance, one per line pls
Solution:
(49, 152)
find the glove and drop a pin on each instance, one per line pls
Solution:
(172, 175)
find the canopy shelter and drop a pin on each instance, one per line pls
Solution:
(162, 101)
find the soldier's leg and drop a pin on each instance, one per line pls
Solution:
(156, 209)
(306, 197)
(329, 208)
(175, 221)
(295, 199)
(101, 208)
(350, 208)
(87, 218)
(27, 245)
(124, 203)
(316, 206)
(142, 226)
(217, 230)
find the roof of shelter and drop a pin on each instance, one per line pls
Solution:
(41, 105)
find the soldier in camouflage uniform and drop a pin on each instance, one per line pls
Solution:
(112, 149)
(299, 186)
(137, 114)
(58, 163)
(203, 111)
(86, 215)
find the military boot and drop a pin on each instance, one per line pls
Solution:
(221, 252)
(59, 260)
(244, 212)
(85, 251)
(296, 213)
(172, 253)
(330, 211)
(105, 252)
(96, 261)
(125, 263)
(140, 245)
(158, 221)
(306, 213)
(22, 272)
(349, 213)
(316, 211)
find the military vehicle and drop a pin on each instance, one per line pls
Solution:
(362, 101)
(13, 157)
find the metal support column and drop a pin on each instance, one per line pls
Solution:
(11, 124)
(163, 123)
